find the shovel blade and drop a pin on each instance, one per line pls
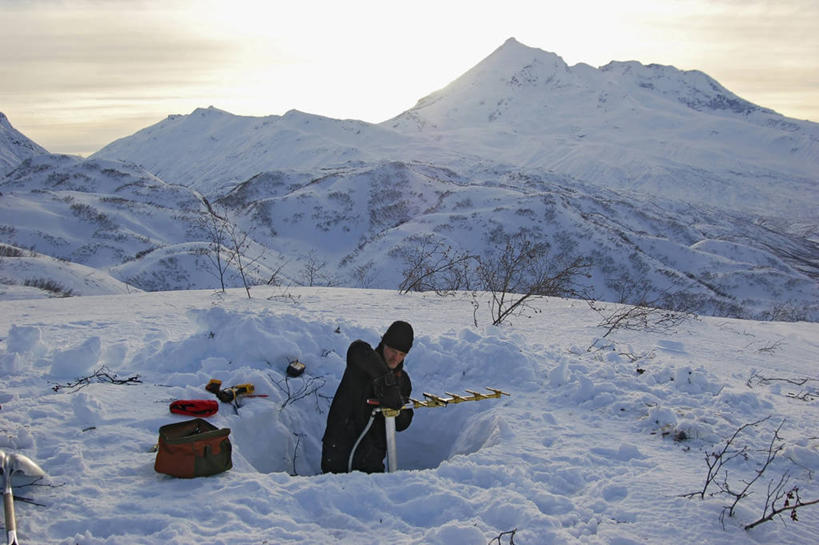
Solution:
(18, 463)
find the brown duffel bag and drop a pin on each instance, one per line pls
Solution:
(194, 448)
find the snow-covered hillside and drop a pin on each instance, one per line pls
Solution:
(593, 446)
(97, 213)
(211, 150)
(356, 226)
(30, 275)
(672, 189)
(15, 147)
(371, 215)
(110, 215)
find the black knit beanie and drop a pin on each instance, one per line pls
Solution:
(399, 336)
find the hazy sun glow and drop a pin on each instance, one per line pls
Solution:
(76, 75)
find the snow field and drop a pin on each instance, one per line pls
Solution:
(591, 447)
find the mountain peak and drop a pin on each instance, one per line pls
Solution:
(525, 89)
(15, 147)
(210, 110)
(512, 42)
(512, 54)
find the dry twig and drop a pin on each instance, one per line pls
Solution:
(102, 374)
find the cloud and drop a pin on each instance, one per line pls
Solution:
(104, 50)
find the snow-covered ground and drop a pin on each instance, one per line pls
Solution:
(594, 446)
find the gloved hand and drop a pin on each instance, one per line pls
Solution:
(387, 391)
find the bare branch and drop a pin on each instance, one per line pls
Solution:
(718, 459)
(102, 374)
(305, 388)
(510, 533)
(791, 503)
(773, 450)
(432, 265)
(646, 315)
(521, 271)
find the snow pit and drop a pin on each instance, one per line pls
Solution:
(442, 433)
(270, 439)
(282, 432)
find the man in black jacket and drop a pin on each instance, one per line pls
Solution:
(370, 374)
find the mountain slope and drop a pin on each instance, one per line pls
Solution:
(112, 216)
(674, 190)
(30, 275)
(212, 150)
(654, 129)
(15, 147)
(371, 217)
(97, 213)
(361, 225)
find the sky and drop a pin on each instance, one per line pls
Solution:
(76, 75)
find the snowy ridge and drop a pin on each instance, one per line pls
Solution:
(15, 146)
(212, 150)
(29, 275)
(653, 129)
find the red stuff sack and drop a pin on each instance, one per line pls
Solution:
(195, 407)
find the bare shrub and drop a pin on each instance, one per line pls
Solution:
(522, 270)
(364, 275)
(215, 229)
(313, 271)
(808, 389)
(49, 285)
(779, 498)
(101, 375)
(10, 251)
(229, 245)
(298, 388)
(510, 534)
(432, 265)
(645, 315)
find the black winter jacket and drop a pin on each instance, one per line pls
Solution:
(365, 377)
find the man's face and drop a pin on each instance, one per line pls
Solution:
(393, 357)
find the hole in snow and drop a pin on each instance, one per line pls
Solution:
(288, 440)
(437, 435)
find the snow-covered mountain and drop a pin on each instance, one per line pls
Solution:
(212, 150)
(652, 129)
(15, 147)
(672, 188)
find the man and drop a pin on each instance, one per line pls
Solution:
(370, 374)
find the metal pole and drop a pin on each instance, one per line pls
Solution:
(392, 454)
